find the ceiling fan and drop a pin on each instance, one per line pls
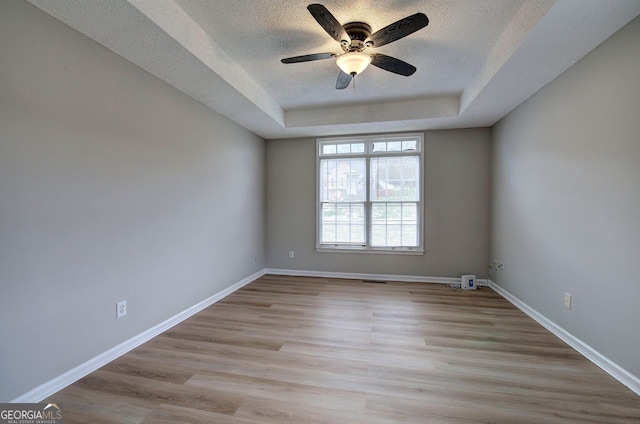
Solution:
(355, 37)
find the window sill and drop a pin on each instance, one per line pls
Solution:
(370, 250)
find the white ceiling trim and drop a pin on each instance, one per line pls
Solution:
(560, 38)
(170, 18)
(514, 35)
(405, 110)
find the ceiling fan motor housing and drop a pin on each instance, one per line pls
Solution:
(358, 32)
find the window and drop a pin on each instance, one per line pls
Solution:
(369, 194)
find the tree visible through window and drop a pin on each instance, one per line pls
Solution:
(369, 193)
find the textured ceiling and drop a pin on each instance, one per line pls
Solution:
(476, 60)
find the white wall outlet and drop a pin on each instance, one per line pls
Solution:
(567, 300)
(291, 254)
(121, 309)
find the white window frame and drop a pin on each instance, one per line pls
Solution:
(368, 154)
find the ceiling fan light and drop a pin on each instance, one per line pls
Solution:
(353, 63)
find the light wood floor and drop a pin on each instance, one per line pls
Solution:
(313, 350)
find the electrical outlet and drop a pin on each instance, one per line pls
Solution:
(121, 309)
(291, 254)
(567, 300)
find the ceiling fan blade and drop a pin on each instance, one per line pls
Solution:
(308, 57)
(392, 64)
(329, 23)
(398, 30)
(343, 81)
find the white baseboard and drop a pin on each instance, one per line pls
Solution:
(607, 365)
(53, 386)
(361, 276)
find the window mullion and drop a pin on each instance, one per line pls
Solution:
(367, 199)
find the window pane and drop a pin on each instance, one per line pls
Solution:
(394, 224)
(409, 212)
(379, 146)
(394, 146)
(379, 211)
(394, 212)
(328, 212)
(395, 178)
(409, 235)
(344, 148)
(328, 149)
(378, 235)
(357, 234)
(342, 233)
(342, 180)
(328, 233)
(357, 148)
(394, 235)
(409, 145)
(343, 212)
(342, 223)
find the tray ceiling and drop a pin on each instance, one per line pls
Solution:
(476, 60)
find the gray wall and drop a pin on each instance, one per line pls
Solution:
(113, 186)
(566, 199)
(457, 182)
